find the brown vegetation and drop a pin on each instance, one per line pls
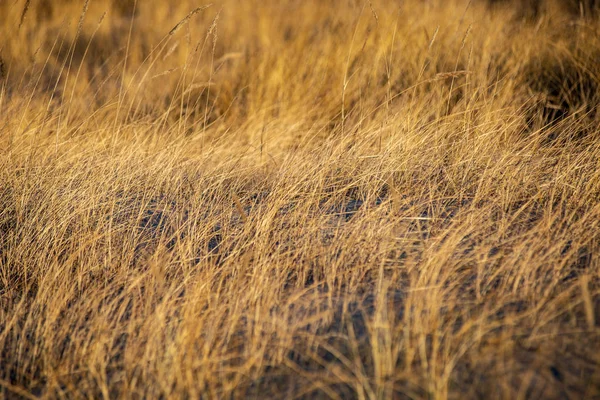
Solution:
(299, 199)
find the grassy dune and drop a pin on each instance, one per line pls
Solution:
(299, 199)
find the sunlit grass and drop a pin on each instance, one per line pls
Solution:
(281, 199)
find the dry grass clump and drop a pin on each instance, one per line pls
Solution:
(283, 199)
(566, 80)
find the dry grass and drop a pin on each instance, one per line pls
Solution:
(299, 199)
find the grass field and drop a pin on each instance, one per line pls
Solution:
(299, 199)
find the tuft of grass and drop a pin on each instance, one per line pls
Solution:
(566, 80)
